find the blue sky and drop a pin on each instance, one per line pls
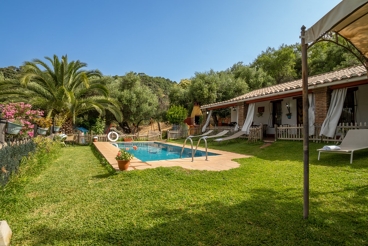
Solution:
(167, 38)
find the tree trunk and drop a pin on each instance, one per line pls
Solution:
(67, 127)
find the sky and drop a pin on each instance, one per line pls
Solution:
(173, 39)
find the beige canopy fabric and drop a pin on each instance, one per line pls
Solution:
(349, 19)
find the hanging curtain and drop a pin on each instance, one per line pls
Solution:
(311, 114)
(236, 128)
(248, 121)
(207, 121)
(334, 112)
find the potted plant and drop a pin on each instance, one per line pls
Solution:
(123, 157)
(14, 126)
(43, 124)
(59, 120)
(128, 139)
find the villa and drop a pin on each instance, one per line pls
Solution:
(339, 97)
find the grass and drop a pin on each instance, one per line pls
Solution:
(75, 200)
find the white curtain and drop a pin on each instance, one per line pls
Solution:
(237, 119)
(248, 121)
(334, 112)
(207, 121)
(311, 114)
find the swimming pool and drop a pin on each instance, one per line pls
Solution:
(155, 151)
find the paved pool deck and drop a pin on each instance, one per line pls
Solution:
(223, 161)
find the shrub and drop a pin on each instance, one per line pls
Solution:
(11, 156)
(99, 127)
(176, 114)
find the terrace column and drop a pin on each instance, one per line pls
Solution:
(243, 109)
(322, 102)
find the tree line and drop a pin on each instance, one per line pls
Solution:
(58, 85)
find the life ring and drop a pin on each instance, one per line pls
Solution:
(110, 135)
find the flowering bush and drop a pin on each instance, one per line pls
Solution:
(21, 113)
(124, 155)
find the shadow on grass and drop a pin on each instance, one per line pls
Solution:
(103, 161)
(266, 218)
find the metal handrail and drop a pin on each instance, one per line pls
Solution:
(191, 143)
(205, 141)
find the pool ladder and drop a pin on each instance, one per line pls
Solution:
(191, 146)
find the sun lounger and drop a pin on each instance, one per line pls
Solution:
(354, 140)
(202, 135)
(220, 134)
(234, 136)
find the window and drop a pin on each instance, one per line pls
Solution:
(276, 112)
(349, 108)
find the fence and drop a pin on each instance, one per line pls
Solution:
(11, 153)
(256, 133)
(287, 132)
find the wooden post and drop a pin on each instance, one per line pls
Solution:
(305, 124)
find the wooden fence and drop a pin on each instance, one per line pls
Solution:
(287, 132)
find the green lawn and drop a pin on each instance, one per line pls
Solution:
(75, 200)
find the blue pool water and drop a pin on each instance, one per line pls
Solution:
(155, 151)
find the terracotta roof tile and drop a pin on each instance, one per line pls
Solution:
(347, 73)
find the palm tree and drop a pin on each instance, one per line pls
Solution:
(62, 87)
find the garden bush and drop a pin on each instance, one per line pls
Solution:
(23, 155)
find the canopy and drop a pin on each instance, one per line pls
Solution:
(348, 19)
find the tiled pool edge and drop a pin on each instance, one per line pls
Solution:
(221, 162)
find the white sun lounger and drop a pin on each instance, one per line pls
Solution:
(354, 140)
(220, 134)
(202, 135)
(234, 136)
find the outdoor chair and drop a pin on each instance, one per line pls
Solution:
(354, 140)
(234, 136)
(202, 135)
(220, 134)
(70, 140)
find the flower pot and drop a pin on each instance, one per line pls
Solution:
(95, 139)
(42, 131)
(123, 165)
(13, 128)
(128, 139)
(57, 128)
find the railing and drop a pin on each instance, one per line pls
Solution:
(288, 132)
